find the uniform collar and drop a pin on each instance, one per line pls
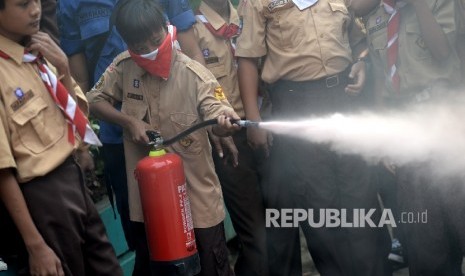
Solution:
(12, 49)
(215, 19)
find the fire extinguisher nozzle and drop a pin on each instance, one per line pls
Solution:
(247, 123)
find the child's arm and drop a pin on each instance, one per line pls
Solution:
(42, 259)
(248, 85)
(433, 35)
(224, 126)
(78, 67)
(189, 45)
(51, 51)
(136, 128)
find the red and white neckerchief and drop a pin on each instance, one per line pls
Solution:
(392, 7)
(75, 118)
(158, 62)
(226, 31)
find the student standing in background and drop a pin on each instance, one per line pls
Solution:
(311, 68)
(412, 48)
(239, 172)
(42, 141)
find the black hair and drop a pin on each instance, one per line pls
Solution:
(137, 20)
(2, 4)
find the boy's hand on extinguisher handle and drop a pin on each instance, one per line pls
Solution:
(225, 127)
(137, 129)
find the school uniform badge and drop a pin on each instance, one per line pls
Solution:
(136, 83)
(99, 84)
(19, 93)
(186, 142)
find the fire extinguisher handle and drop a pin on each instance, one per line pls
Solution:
(154, 137)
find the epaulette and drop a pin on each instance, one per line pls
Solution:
(200, 70)
(122, 56)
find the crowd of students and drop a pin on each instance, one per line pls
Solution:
(121, 60)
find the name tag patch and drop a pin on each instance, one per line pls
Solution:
(377, 27)
(277, 4)
(22, 98)
(135, 96)
(210, 60)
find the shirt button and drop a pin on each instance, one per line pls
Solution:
(321, 35)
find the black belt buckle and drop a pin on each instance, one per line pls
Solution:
(332, 81)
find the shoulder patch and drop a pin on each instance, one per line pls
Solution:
(219, 93)
(99, 84)
(200, 70)
(119, 58)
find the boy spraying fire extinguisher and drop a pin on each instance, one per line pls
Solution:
(162, 89)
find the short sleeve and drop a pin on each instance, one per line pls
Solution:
(79, 23)
(70, 37)
(6, 156)
(109, 86)
(179, 13)
(251, 41)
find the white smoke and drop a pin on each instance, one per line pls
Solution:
(433, 132)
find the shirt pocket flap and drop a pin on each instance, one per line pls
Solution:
(190, 144)
(218, 69)
(379, 42)
(338, 7)
(29, 111)
(183, 120)
(412, 28)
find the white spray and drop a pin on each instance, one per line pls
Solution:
(433, 132)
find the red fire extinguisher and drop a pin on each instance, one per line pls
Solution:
(167, 214)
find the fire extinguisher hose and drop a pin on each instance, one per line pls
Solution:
(189, 131)
(156, 139)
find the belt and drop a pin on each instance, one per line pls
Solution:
(332, 81)
(335, 80)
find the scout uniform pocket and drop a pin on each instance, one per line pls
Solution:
(36, 130)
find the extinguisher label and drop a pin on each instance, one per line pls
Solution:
(185, 211)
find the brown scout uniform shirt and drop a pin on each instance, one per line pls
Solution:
(416, 66)
(191, 94)
(300, 45)
(218, 54)
(33, 130)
